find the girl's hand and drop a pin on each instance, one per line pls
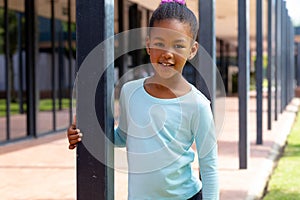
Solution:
(74, 136)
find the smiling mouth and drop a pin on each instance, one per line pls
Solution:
(166, 64)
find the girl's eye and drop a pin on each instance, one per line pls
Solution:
(159, 44)
(179, 46)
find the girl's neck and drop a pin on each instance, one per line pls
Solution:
(166, 88)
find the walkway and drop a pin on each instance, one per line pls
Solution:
(45, 169)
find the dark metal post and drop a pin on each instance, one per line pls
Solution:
(278, 59)
(7, 69)
(30, 44)
(53, 66)
(298, 64)
(283, 57)
(270, 60)
(259, 71)
(207, 40)
(222, 60)
(292, 66)
(70, 52)
(61, 65)
(120, 60)
(288, 60)
(227, 60)
(95, 179)
(21, 106)
(291, 77)
(292, 55)
(243, 81)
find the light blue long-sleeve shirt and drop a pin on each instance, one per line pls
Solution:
(158, 134)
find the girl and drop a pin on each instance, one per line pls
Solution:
(162, 115)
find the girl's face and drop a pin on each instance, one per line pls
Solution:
(169, 45)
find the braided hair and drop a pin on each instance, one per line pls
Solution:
(174, 10)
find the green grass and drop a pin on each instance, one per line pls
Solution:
(285, 181)
(44, 105)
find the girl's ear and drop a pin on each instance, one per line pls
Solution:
(148, 45)
(194, 50)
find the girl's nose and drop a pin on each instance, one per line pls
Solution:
(168, 55)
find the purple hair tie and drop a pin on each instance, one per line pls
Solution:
(169, 1)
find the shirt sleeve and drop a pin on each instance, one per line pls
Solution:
(120, 138)
(121, 130)
(206, 143)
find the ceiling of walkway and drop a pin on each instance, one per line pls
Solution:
(226, 15)
(44, 8)
(226, 18)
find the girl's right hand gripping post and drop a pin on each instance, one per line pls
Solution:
(74, 136)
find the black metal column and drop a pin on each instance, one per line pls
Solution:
(291, 77)
(53, 65)
(243, 81)
(7, 69)
(292, 67)
(95, 179)
(70, 55)
(207, 39)
(292, 60)
(293, 74)
(283, 57)
(270, 68)
(298, 64)
(222, 60)
(61, 67)
(227, 63)
(20, 55)
(292, 55)
(120, 60)
(259, 72)
(31, 46)
(288, 59)
(278, 59)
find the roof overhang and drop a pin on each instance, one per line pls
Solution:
(226, 15)
(43, 8)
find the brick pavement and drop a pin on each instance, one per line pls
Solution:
(45, 169)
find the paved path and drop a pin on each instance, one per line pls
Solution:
(44, 169)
